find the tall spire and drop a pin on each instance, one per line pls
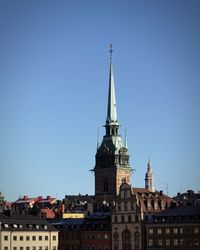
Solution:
(111, 111)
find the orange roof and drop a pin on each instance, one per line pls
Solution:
(49, 213)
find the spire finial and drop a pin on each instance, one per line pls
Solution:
(111, 51)
(98, 138)
(149, 163)
(126, 141)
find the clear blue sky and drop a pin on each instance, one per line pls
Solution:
(54, 65)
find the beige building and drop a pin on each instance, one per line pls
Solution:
(126, 221)
(26, 232)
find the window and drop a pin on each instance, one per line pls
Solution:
(14, 248)
(27, 238)
(6, 237)
(15, 225)
(5, 225)
(105, 185)
(106, 236)
(125, 206)
(14, 238)
(40, 248)
(21, 248)
(133, 206)
(33, 248)
(159, 242)
(167, 231)
(5, 248)
(33, 237)
(40, 237)
(129, 218)
(46, 237)
(150, 242)
(196, 230)
(182, 242)
(21, 238)
(45, 227)
(167, 242)
(175, 230)
(54, 237)
(159, 230)
(181, 230)
(196, 242)
(150, 230)
(115, 218)
(175, 242)
(54, 248)
(98, 236)
(37, 226)
(119, 207)
(27, 248)
(122, 218)
(46, 248)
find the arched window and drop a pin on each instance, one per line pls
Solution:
(116, 236)
(105, 185)
(137, 240)
(126, 240)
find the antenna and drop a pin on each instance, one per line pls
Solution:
(167, 187)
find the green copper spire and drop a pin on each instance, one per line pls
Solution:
(111, 111)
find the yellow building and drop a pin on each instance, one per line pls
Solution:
(73, 215)
(26, 232)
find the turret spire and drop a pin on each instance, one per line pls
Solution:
(149, 180)
(111, 111)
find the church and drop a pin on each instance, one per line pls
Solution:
(112, 165)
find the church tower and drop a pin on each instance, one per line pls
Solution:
(149, 180)
(112, 159)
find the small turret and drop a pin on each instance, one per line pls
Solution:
(149, 179)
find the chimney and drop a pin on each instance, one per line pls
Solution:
(25, 197)
(63, 208)
(48, 197)
(161, 192)
(40, 198)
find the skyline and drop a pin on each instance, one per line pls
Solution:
(54, 85)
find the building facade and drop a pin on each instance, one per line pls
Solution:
(26, 232)
(176, 229)
(126, 221)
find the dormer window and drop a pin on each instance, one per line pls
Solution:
(15, 226)
(5, 226)
(37, 226)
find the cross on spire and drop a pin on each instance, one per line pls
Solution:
(111, 51)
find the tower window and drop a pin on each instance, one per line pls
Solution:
(105, 185)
